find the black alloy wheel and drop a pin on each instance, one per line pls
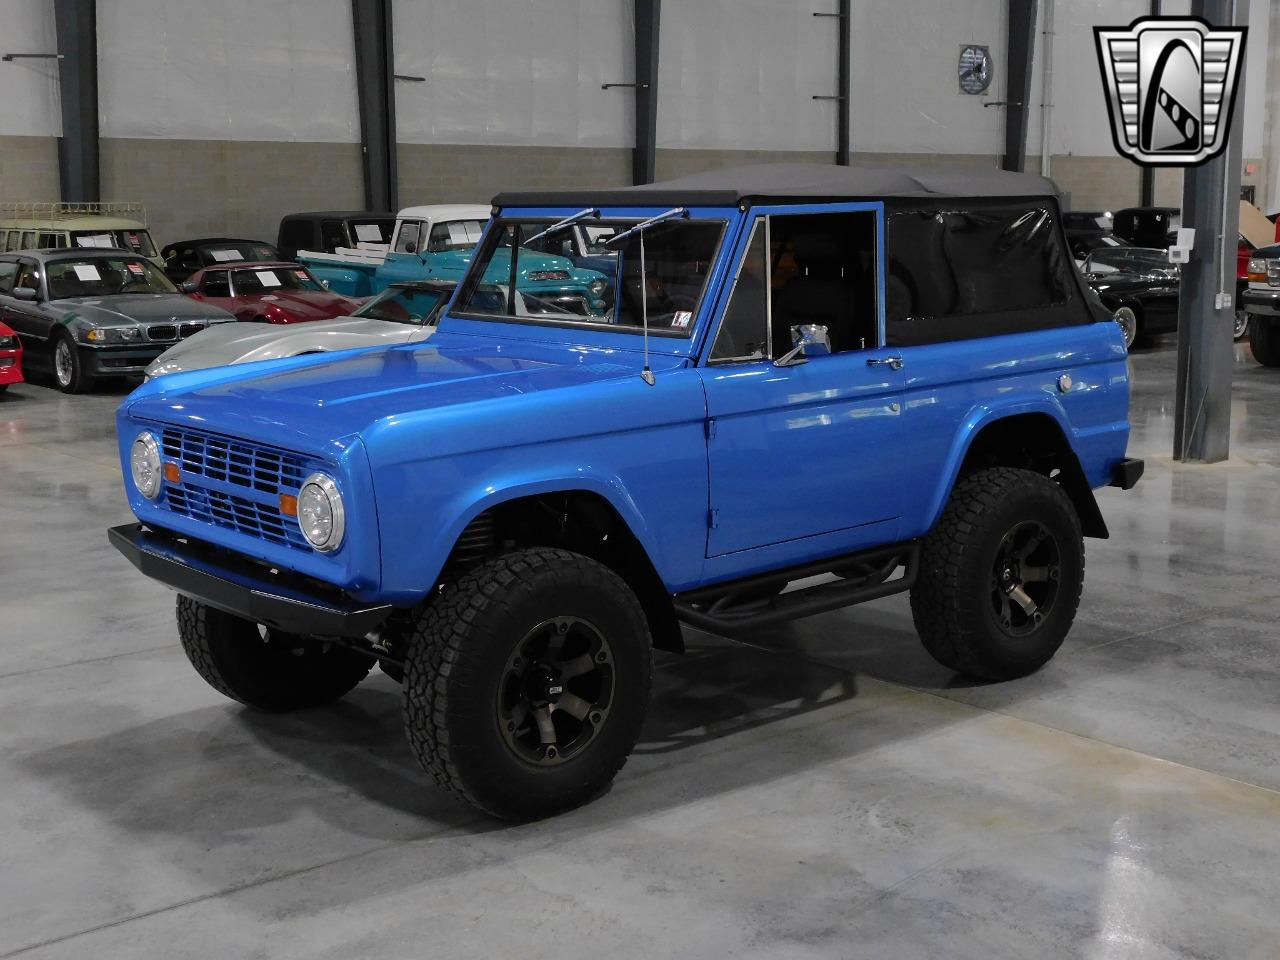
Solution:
(1024, 578)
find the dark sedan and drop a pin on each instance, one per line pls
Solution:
(1139, 285)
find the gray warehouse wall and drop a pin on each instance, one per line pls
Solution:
(458, 173)
(195, 188)
(29, 168)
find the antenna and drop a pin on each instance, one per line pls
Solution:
(678, 212)
(646, 374)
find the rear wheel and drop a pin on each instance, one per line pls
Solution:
(69, 366)
(1128, 321)
(262, 667)
(1264, 341)
(1000, 575)
(526, 682)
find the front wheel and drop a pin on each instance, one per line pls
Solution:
(1000, 575)
(262, 667)
(526, 682)
(1264, 341)
(69, 366)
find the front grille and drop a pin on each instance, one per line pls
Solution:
(1273, 273)
(234, 484)
(162, 332)
(187, 329)
(233, 461)
(235, 513)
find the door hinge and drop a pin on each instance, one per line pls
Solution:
(713, 519)
(710, 427)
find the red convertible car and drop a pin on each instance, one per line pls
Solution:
(10, 358)
(267, 292)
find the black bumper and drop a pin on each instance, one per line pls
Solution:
(1127, 473)
(120, 361)
(246, 589)
(1262, 302)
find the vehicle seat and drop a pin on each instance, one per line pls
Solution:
(821, 292)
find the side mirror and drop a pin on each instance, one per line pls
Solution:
(188, 287)
(26, 293)
(410, 247)
(810, 340)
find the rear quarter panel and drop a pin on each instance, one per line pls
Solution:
(955, 389)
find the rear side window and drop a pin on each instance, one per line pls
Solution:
(961, 271)
(295, 235)
(8, 271)
(332, 235)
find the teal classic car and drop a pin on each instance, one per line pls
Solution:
(437, 243)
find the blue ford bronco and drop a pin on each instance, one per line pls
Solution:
(813, 386)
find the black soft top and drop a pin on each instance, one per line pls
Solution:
(340, 215)
(795, 182)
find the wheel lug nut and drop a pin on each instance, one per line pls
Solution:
(511, 727)
(601, 657)
(595, 718)
(551, 751)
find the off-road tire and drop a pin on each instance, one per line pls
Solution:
(276, 673)
(951, 601)
(74, 379)
(454, 668)
(1264, 341)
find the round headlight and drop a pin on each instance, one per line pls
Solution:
(144, 464)
(321, 517)
(598, 286)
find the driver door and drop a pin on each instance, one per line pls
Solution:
(811, 448)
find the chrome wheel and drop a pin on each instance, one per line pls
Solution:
(63, 363)
(1128, 324)
(1025, 577)
(556, 690)
(1241, 324)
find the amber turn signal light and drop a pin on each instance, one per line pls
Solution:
(288, 505)
(172, 473)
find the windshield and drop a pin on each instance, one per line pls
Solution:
(404, 305)
(135, 241)
(105, 277)
(239, 253)
(455, 235)
(1129, 258)
(678, 256)
(247, 283)
(595, 238)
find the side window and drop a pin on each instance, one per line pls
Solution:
(332, 235)
(295, 235)
(11, 240)
(28, 275)
(823, 271)
(975, 270)
(28, 240)
(744, 331)
(408, 240)
(8, 272)
(216, 284)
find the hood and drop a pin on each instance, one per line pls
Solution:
(248, 342)
(307, 407)
(303, 304)
(134, 308)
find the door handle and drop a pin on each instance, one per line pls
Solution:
(893, 363)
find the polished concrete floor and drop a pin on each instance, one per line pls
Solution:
(825, 791)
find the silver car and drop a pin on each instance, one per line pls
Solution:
(403, 313)
(87, 314)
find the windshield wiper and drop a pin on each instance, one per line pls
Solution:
(566, 222)
(678, 212)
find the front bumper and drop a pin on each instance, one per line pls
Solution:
(10, 367)
(236, 585)
(120, 361)
(1263, 302)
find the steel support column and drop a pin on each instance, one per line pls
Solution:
(844, 79)
(1206, 302)
(1022, 40)
(1148, 188)
(644, 160)
(76, 22)
(375, 89)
